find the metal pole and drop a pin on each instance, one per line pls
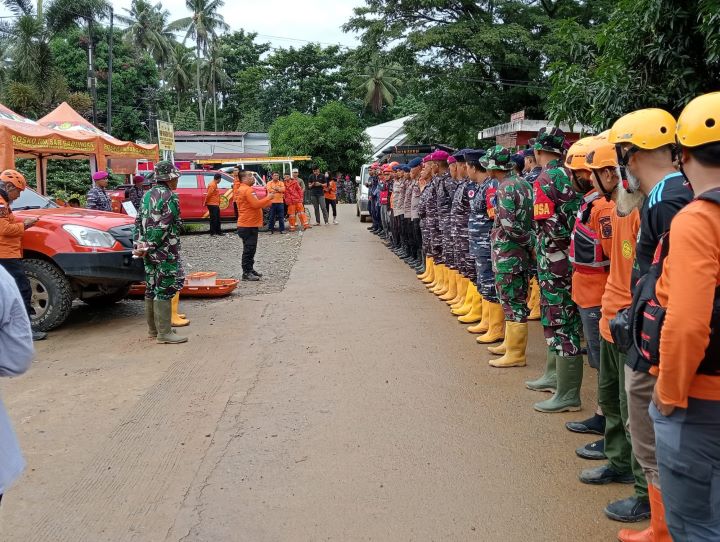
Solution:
(91, 72)
(108, 124)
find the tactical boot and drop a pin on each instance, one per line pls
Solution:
(516, 337)
(162, 309)
(177, 320)
(480, 314)
(548, 381)
(451, 292)
(150, 318)
(569, 379)
(496, 329)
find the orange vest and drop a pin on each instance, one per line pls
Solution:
(11, 232)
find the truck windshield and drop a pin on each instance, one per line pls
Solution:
(29, 199)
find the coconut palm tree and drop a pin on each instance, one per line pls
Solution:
(379, 84)
(217, 77)
(202, 26)
(179, 71)
(147, 30)
(64, 14)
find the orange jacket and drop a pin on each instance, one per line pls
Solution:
(250, 207)
(213, 196)
(622, 255)
(11, 232)
(331, 190)
(691, 272)
(279, 188)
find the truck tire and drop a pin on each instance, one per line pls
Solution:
(52, 295)
(108, 299)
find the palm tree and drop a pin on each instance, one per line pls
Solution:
(380, 85)
(216, 76)
(147, 29)
(202, 26)
(64, 14)
(179, 71)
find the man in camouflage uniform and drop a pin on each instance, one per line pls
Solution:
(423, 211)
(459, 213)
(158, 243)
(446, 187)
(433, 222)
(556, 204)
(511, 241)
(531, 172)
(97, 197)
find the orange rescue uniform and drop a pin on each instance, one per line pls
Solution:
(331, 190)
(213, 196)
(691, 272)
(250, 207)
(11, 232)
(279, 187)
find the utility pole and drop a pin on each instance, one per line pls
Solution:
(91, 72)
(108, 124)
(40, 10)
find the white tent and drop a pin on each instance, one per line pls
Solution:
(387, 135)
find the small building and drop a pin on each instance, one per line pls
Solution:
(387, 134)
(517, 132)
(192, 146)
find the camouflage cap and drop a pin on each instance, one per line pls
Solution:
(552, 140)
(166, 171)
(497, 158)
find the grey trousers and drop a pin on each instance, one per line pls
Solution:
(591, 329)
(318, 202)
(688, 455)
(639, 387)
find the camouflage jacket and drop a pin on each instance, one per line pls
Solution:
(479, 223)
(431, 200)
(446, 187)
(98, 199)
(533, 174)
(159, 224)
(460, 210)
(511, 236)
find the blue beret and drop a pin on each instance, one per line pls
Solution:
(519, 160)
(474, 155)
(415, 162)
(527, 152)
(396, 167)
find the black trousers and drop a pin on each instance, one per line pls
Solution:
(331, 203)
(249, 238)
(214, 211)
(16, 270)
(417, 236)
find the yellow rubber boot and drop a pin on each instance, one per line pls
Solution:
(438, 269)
(496, 329)
(516, 337)
(452, 289)
(478, 315)
(462, 287)
(534, 303)
(176, 320)
(461, 309)
(442, 280)
(500, 349)
(445, 286)
(430, 273)
(428, 268)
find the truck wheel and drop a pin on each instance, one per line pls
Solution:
(108, 299)
(52, 295)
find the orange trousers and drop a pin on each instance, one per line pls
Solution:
(297, 209)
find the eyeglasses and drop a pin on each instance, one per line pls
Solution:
(624, 158)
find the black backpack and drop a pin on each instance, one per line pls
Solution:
(647, 316)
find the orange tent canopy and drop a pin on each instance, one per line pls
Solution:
(65, 120)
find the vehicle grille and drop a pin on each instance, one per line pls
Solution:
(123, 235)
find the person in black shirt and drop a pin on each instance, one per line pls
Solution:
(316, 187)
(645, 141)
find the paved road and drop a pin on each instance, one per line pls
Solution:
(349, 406)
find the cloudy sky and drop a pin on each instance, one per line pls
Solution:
(308, 20)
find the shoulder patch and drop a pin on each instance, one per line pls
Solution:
(605, 227)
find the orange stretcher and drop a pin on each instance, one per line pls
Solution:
(222, 287)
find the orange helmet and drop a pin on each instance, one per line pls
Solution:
(602, 156)
(15, 178)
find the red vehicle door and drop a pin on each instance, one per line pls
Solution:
(191, 195)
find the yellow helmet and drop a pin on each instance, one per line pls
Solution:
(602, 156)
(699, 122)
(579, 150)
(645, 128)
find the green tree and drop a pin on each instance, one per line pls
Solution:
(179, 72)
(334, 137)
(651, 53)
(202, 26)
(147, 29)
(186, 120)
(379, 84)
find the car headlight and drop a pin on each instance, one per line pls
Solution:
(90, 237)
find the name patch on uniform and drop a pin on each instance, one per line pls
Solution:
(605, 227)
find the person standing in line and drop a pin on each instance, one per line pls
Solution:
(212, 202)
(276, 188)
(97, 197)
(16, 345)
(331, 198)
(11, 234)
(250, 219)
(316, 186)
(294, 202)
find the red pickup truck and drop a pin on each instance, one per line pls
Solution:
(192, 189)
(72, 254)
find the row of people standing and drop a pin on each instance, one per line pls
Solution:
(592, 221)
